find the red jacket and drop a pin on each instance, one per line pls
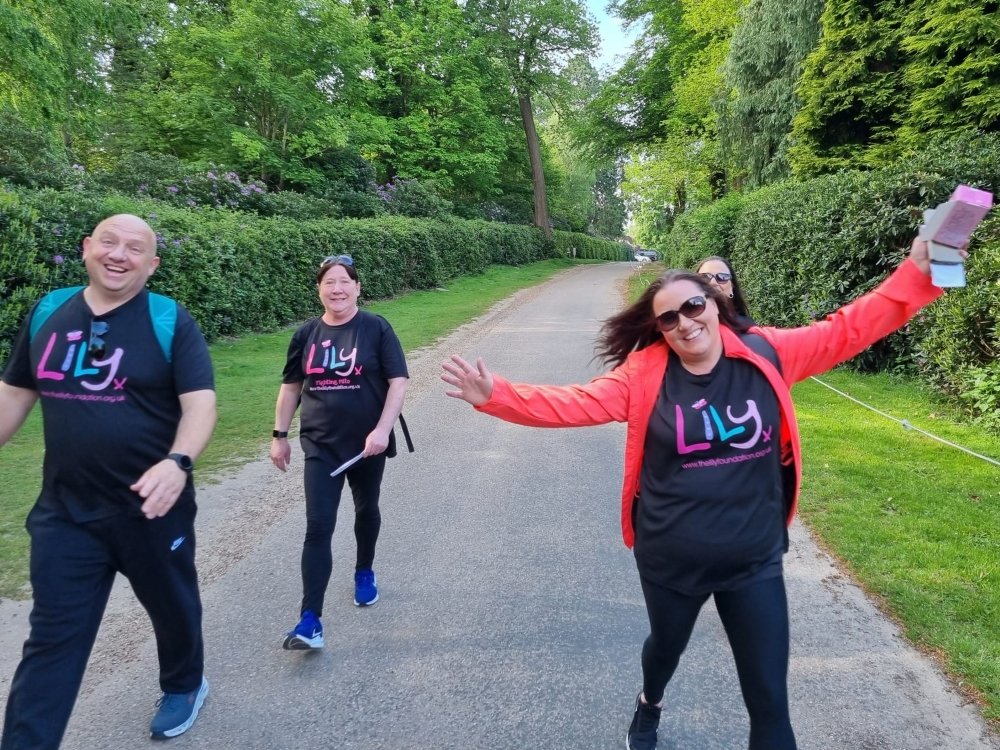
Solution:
(629, 392)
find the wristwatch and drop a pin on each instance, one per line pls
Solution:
(183, 461)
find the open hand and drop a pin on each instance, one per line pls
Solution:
(472, 384)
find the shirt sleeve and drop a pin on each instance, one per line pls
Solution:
(18, 369)
(391, 353)
(293, 360)
(191, 361)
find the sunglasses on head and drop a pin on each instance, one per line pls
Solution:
(667, 321)
(344, 260)
(722, 277)
(97, 348)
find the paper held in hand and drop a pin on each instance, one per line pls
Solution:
(347, 465)
(947, 229)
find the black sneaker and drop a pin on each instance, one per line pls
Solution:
(642, 732)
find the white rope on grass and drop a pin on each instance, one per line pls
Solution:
(906, 425)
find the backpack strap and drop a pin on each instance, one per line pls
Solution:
(406, 433)
(762, 347)
(163, 314)
(48, 305)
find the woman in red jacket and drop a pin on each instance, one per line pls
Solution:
(712, 463)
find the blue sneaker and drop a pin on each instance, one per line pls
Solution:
(365, 590)
(307, 634)
(177, 712)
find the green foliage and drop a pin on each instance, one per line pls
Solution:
(33, 155)
(576, 245)
(952, 71)
(703, 232)
(414, 198)
(762, 67)
(664, 101)
(958, 347)
(852, 89)
(607, 217)
(238, 272)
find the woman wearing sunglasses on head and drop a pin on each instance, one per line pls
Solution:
(719, 274)
(348, 370)
(712, 463)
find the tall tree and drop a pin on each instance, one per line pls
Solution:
(852, 92)
(953, 67)
(432, 87)
(268, 85)
(762, 67)
(50, 72)
(533, 40)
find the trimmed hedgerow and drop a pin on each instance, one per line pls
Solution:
(239, 272)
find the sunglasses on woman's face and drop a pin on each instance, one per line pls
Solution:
(722, 277)
(344, 260)
(97, 348)
(667, 321)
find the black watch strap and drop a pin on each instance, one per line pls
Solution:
(183, 461)
(279, 434)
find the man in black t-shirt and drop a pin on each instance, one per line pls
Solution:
(124, 416)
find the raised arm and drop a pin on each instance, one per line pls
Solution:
(816, 348)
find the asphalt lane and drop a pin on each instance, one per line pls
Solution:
(510, 613)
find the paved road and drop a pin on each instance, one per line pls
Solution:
(511, 615)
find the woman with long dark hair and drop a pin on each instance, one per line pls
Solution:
(712, 463)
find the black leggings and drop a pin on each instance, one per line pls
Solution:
(756, 622)
(322, 502)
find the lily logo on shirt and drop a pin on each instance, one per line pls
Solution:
(331, 360)
(73, 363)
(713, 424)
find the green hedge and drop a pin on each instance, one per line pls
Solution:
(238, 272)
(803, 249)
(574, 245)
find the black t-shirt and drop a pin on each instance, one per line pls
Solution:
(710, 514)
(345, 372)
(106, 421)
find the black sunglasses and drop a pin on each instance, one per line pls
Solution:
(344, 260)
(97, 348)
(667, 321)
(722, 277)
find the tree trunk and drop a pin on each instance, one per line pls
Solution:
(535, 156)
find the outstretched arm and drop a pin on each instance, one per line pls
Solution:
(472, 384)
(814, 349)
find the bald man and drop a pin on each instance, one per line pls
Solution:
(123, 425)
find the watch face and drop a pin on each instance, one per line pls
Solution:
(183, 461)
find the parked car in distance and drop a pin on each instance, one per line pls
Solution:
(646, 256)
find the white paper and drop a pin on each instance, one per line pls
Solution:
(945, 275)
(347, 465)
